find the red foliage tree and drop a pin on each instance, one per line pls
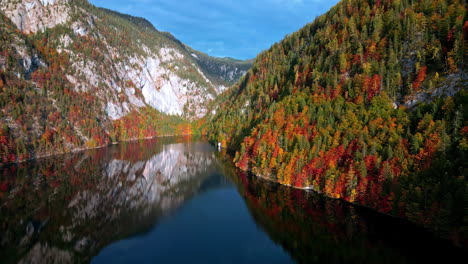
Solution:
(420, 78)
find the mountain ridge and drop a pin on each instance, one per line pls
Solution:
(232, 69)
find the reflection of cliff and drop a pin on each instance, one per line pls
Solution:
(67, 210)
(314, 229)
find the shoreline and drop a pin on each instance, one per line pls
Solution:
(357, 205)
(307, 189)
(78, 150)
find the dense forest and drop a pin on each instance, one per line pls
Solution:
(366, 104)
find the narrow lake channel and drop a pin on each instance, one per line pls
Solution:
(181, 200)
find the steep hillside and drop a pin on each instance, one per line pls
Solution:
(77, 76)
(366, 104)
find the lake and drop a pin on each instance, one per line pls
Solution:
(179, 200)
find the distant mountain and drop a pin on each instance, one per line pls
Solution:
(367, 104)
(226, 71)
(77, 76)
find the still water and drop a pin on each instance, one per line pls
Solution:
(180, 200)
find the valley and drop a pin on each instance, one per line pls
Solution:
(365, 105)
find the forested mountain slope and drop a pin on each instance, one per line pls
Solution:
(76, 76)
(368, 104)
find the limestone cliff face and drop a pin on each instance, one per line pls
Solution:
(36, 15)
(130, 65)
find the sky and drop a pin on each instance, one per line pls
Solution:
(225, 28)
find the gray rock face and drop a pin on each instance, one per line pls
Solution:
(36, 15)
(152, 69)
(450, 86)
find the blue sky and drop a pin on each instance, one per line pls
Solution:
(225, 28)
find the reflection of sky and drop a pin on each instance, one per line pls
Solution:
(225, 28)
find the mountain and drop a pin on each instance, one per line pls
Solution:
(222, 72)
(226, 71)
(76, 76)
(365, 104)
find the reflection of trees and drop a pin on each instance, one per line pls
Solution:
(314, 229)
(65, 209)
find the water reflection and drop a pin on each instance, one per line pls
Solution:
(315, 229)
(67, 209)
(61, 210)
